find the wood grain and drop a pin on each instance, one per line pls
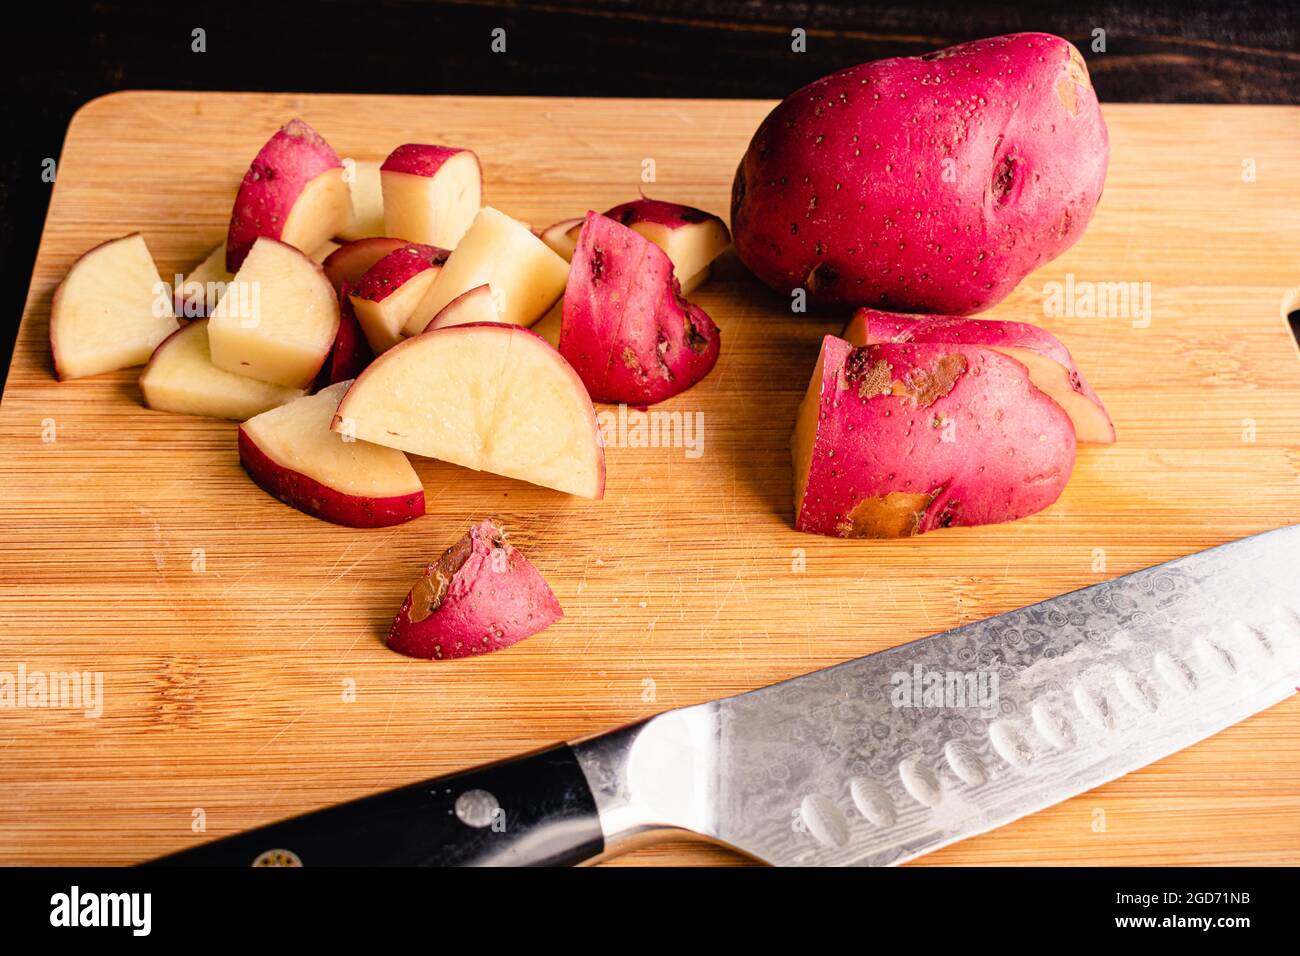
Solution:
(225, 680)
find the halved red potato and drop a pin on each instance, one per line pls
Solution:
(691, 237)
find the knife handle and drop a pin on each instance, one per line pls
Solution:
(534, 810)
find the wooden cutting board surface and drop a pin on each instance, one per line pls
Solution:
(241, 643)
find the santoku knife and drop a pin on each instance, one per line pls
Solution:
(874, 761)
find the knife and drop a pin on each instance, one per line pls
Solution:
(874, 761)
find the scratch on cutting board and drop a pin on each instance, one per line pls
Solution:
(334, 578)
(283, 731)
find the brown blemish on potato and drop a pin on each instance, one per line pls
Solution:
(694, 340)
(925, 386)
(428, 594)
(894, 515)
(871, 378)
(1076, 72)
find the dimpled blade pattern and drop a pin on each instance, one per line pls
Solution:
(825, 770)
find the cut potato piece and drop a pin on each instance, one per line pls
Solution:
(293, 191)
(291, 452)
(562, 237)
(897, 439)
(351, 353)
(1050, 365)
(476, 305)
(526, 276)
(480, 596)
(278, 318)
(691, 237)
(181, 378)
(388, 293)
(493, 397)
(367, 201)
(349, 262)
(430, 193)
(202, 288)
(111, 310)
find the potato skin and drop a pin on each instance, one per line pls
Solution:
(320, 501)
(626, 329)
(880, 465)
(924, 184)
(481, 596)
(869, 326)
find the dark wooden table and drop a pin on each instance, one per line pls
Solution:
(59, 56)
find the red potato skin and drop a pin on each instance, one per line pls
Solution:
(311, 497)
(271, 186)
(349, 262)
(496, 598)
(418, 159)
(874, 327)
(1013, 453)
(397, 268)
(670, 215)
(351, 353)
(924, 184)
(626, 330)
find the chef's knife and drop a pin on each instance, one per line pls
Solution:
(874, 761)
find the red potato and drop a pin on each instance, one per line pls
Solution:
(181, 378)
(481, 596)
(351, 353)
(924, 184)
(895, 440)
(476, 305)
(1048, 361)
(431, 194)
(491, 396)
(626, 329)
(292, 454)
(110, 311)
(294, 191)
(388, 293)
(278, 318)
(562, 237)
(350, 261)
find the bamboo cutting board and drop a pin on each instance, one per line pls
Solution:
(241, 643)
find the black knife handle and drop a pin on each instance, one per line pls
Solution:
(535, 810)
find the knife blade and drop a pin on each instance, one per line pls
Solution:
(878, 760)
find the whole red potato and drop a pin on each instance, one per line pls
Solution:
(924, 184)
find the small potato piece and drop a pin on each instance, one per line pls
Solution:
(481, 596)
